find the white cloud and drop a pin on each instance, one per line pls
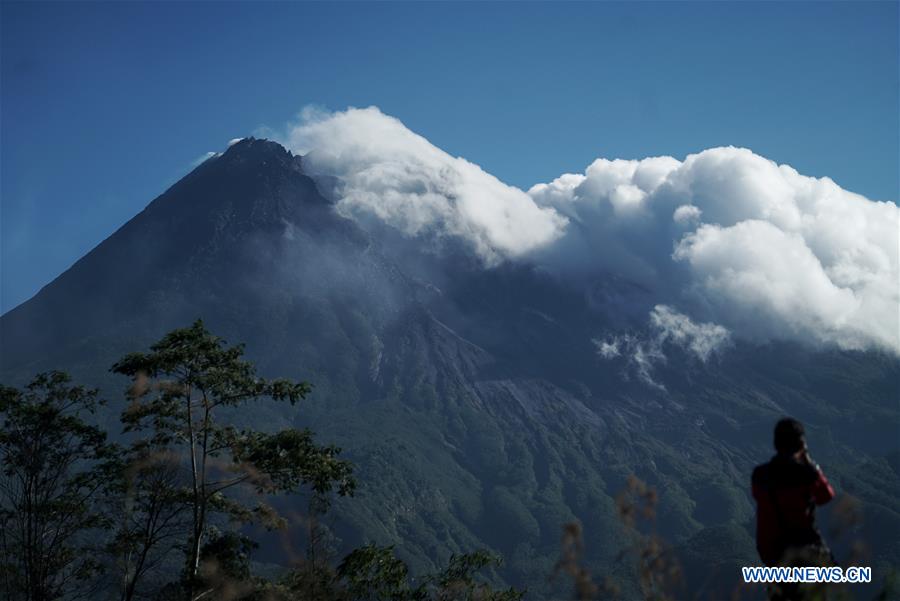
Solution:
(608, 349)
(203, 158)
(387, 171)
(730, 237)
(642, 353)
(753, 245)
(686, 214)
(701, 339)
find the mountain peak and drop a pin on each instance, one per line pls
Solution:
(202, 228)
(258, 151)
(256, 146)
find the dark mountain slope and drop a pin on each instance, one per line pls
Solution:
(190, 236)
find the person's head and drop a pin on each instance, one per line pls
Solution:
(789, 436)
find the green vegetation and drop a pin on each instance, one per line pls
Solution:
(185, 505)
(55, 467)
(86, 518)
(179, 388)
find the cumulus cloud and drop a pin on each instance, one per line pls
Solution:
(728, 236)
(666, 327)
(686, 214)
(385, 170)
(743, 241)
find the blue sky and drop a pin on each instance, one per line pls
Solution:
(102, 106)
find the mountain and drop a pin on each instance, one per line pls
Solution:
(471, 398)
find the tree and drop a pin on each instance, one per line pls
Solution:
(457, 581)
(150, 504)
(55, 466)
(375, 573)
(177, 392)
(169, 494)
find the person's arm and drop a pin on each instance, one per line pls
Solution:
(822, 492)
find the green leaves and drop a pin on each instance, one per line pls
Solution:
(457, 581)
(185, 475)
(177, 390)
(55, 467)
(375, 573)
(193, 359)
(290, 458)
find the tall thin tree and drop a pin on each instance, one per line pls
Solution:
(179, 388)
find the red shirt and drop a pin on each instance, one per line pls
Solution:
(786, 492)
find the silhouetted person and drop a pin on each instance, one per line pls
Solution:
(787, 490)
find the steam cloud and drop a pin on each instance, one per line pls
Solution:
(728, 236)
(388, 171)
(667, 326)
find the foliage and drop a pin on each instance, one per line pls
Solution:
(659, 573)
(657, 569)
(375, 573)
(457, 580)
(178, 388)
(150, 506)
(55, 466)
